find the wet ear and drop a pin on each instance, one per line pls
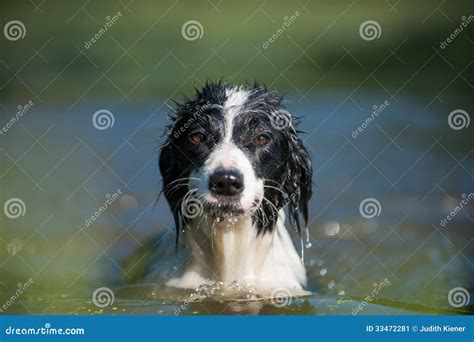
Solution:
(166, 163)
(300, 180)
(168, 169)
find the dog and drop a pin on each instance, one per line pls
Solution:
(233, 166)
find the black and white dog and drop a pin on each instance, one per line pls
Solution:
(232, 163)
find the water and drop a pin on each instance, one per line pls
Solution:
(401, 261)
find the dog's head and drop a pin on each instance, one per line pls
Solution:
(234, 151)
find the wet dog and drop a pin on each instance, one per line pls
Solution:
(233, 167)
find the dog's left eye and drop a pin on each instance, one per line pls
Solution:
(197, 137)
(262, 140)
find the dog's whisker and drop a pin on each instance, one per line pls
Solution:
(174, 188)
(271, 204)
(183, 179)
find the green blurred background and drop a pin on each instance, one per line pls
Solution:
(409, 158)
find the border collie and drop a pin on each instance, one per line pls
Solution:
(232, 163)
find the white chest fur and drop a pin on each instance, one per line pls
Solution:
(234, 252)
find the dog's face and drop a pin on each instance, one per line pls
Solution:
(235, 152)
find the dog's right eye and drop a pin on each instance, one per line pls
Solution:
(197, 137)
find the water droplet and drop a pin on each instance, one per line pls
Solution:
(323, 272)
(332, 284)
(332, 228)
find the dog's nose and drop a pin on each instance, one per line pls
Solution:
(226, 182)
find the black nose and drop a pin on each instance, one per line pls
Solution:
(226, 182)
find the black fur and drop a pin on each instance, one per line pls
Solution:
(284, 163)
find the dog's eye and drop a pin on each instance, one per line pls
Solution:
(262, 140)
(197, 137)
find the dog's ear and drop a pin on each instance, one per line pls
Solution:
(168, 170)
(166, 162)
(299, 182)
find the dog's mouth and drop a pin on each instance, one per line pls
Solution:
(224, 207)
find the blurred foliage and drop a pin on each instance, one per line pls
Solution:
(144, 56)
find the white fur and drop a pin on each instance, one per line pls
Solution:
(236, 97)
(229, 156)
(232, 252)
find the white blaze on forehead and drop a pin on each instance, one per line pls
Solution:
(236, 97)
